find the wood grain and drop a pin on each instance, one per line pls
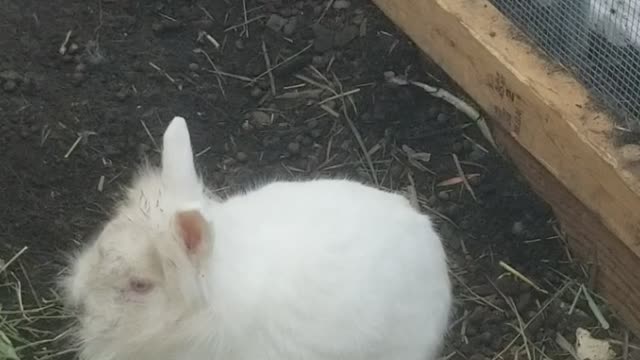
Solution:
(616, 275)
(549, 128)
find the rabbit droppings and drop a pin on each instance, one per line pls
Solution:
(304, 270)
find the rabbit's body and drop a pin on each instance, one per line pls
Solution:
(314, 270)
(328, 269)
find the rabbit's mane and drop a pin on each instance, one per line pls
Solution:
(149, 199)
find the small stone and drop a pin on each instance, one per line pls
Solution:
(341, 4)
(316, 133)
(166, 26)
(331, 104)
(389, 75)
(157, 27)
(290, 27)
(73, 48)
(496, 342)
(142, 149)
(260, 119)
(485, 338)
(194, 67)
(111, 150)
(347, 34)
(476, 154)
(313, 162)
(478, 314)
(270, 141)
(125, 21)
(523, 302)
(318, 149)
(433, 112)
(275, 140)
(246, 126)
(256, 92)
(30, 84)
(206, 25)
(319, 60)
(517, 228)
(188, 12)
(306, 141)
(508, 286)
(95, 54)
(213, 97)
(10, 75)
(312, 124)
(293, 148)
(477, 356)
(286, 12)
(111, 116)
(471, 332)
(363, 28)
(443, 195)
(276, 22)
(239, 44)
(442, 118)
(241, 156)
(323, 38)
(10, 86)
(396, 170)
(467, 145)
(122, 94)
(81, 67)
(78, 78)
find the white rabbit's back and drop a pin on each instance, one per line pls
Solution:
(328, 269)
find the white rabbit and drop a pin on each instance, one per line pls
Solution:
(308, 270)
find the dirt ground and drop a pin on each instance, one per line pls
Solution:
(270, 88)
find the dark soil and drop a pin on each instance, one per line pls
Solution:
(75, 125)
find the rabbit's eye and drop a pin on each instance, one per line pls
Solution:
(140, 286)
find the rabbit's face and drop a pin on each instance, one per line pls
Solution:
(136, 280)
(143, 274)
(117, 279)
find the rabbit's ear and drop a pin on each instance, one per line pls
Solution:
(178, 169)
(193, 232)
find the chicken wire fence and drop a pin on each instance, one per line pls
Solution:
(598, 40)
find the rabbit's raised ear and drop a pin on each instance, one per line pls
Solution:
(178, 169)
(193, 233)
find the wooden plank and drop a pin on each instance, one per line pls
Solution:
(549, 115)
(616, 275)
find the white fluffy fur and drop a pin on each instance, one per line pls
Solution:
(313, 270)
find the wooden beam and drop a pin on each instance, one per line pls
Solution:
(548, 115)
(617, 276)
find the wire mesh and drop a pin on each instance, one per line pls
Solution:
(598, 40)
